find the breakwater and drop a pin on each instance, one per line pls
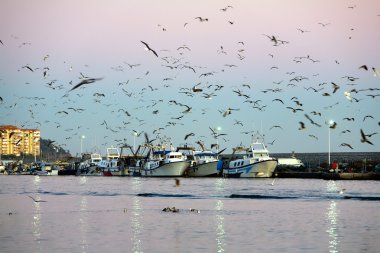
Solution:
(315, 160)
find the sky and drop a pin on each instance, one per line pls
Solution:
(275, 63)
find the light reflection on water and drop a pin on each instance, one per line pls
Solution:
(37, 213)
(136, 217)
(83, 218)
(219, 218)
(332, 215)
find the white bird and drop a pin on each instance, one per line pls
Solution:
(347, 94)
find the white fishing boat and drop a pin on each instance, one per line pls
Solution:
(165, 163)
(44, 169)
(205, 164)
(111, 166)
(291, 162)
(89, 166)
(255, 163)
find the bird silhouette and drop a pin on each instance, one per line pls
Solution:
(149, 48)
(346, 145)
(364, 138)
(201, 19)
(37, 200)
(302, 126)
(335, 87)
(85, 81)
(188, 135)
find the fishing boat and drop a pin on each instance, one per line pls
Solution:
(255, 163)
(165, 163)
(291, 162)
(205, 164)
(111, 166)
(89, 164)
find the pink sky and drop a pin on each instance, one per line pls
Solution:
(95, 37)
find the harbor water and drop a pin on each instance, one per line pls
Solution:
(124, 214)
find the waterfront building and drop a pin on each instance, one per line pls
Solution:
(18, 141)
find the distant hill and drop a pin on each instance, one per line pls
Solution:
(50, 150)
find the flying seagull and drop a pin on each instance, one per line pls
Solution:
(188, 135)
(35, 200)
(86, 81)
(346, 145)
(148, 48)
(364, 138)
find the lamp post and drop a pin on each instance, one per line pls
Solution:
(217, 129)
(134, 141)
(330, 124)
(81, 144)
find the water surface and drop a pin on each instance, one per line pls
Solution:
(114, 214)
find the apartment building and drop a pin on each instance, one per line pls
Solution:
(17, 141)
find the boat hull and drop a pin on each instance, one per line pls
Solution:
(261, 169)
(209, 169)
(115, 172)
(174, 169)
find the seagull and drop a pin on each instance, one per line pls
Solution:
(347, 94)
(324, 24)
(335, 87)
(196, 89)
(294, 109)
(364, 138)
(367, 116)
(313, 136)
(28, 67)
(279, 100)
(375, 72)
(35, 200)
(228, 111)
(363, 67)
(148, 48)
(333, 126)
(188, 135)
(312, 121)
(346, 145)
(177, 182)
(86, 81)
(201, 19)
(302, 31)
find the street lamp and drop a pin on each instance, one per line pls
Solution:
(331, 124)
(134, 141)
(81, 144)
(217, 129)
